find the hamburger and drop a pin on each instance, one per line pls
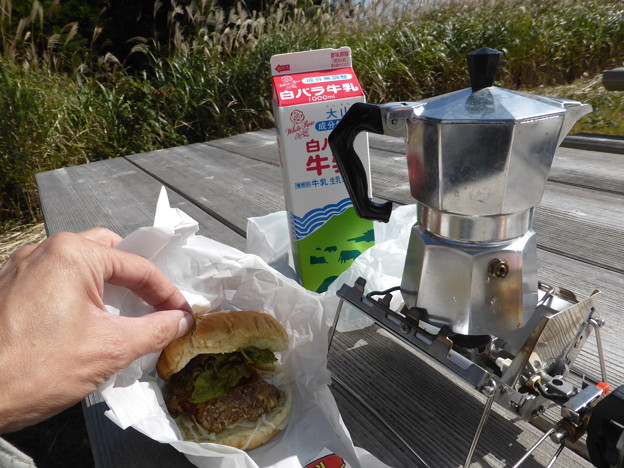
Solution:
(222, 381)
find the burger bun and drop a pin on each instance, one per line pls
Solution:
(222, 332)
(228, 332)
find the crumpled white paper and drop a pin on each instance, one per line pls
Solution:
(223, 278)
(381, 265)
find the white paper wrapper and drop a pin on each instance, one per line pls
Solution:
(381, 265)
(222, 278)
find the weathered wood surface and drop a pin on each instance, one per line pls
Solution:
(397, 403)
(117, 195)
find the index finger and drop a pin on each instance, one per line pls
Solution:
(144, 279)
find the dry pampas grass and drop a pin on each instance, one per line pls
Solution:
(19, 236)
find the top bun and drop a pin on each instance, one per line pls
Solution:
(222, 332)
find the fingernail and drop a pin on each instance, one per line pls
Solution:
(185, 325)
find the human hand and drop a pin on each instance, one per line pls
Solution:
(57, 340)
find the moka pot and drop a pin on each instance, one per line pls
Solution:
(478, 160)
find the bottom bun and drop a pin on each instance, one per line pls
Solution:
(244, 436)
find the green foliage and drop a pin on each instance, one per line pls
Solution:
(33, 132)
(545, 43)
(608, 105)
(194, 72)
(50, 121)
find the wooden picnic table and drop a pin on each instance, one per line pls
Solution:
(397, 403)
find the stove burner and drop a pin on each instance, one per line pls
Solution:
(469, 341)
(523, 370)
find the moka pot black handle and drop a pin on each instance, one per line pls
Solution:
(360, 117)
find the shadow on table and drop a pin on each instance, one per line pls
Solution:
(428, 410)
(61, 441)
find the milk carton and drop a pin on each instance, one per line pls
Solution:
(311, 92)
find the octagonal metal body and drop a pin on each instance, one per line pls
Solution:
(457, 284)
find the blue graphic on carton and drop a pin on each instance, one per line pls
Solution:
(305, 225)
(326, 125)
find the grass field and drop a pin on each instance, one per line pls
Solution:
(63, 104)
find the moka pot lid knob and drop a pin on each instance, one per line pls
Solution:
(482, 67)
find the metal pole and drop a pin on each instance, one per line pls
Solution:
(554, 458)
(532, 449)
(596, 324)
(332, 330)
(491, 389)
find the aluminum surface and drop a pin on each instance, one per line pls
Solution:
(468, 159)
(553, 337)
(474, 228)
(454, 283)
(477, 164)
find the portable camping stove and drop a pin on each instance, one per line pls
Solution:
(523, 371)
(478, 160)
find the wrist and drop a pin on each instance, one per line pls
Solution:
(16, 393)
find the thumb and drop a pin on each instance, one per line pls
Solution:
(152, 332)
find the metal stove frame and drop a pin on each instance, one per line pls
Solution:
(549, 343)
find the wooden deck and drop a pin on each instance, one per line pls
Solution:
(397, 403)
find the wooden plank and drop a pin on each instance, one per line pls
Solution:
(433, 410)
(365, 427)
(385, 166)
(439, 415)
(582, 279)
(569, 216)
(113, 447)
(595, 169)
(598, 170)
(219, 199)
(114, 194)
(566, 217)
(260, 145)
(117, 195)
(426, 409)
(229, 186)
(219, 182)
(387, 143)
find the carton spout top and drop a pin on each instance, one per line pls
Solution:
(312, 60)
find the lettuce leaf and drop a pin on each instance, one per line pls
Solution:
(222, 371)
(255, 355)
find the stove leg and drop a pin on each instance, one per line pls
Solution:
(491, 391)
(332, 330)
(596, 324)
(532, 449)
(554, 458)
